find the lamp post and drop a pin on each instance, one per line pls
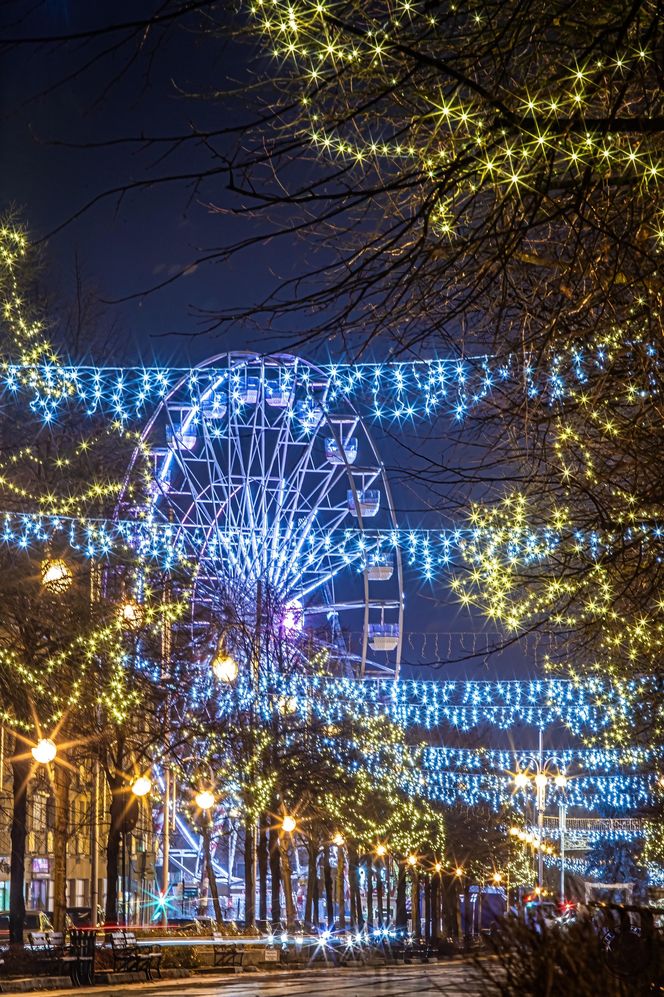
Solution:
(138, 788)
(544, 769)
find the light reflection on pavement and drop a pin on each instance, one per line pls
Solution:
(456, 978)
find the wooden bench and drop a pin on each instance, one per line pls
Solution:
(129, 957)
(225, 953)
(153, 952)
(50, 949)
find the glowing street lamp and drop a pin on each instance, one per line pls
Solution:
(458, 872)
(56, 575)
(288, 824)
(338, 839)
(412, 861)
(287, 705)
(545, 769)
(381, 850)
(204, 799)
(44, 751)
(141, 786)
(224, 667)
(497, 878)
(131, 615)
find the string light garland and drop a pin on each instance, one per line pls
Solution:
(424, 773)
(389, 391)
(430, 552)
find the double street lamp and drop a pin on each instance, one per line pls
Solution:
(543, 771)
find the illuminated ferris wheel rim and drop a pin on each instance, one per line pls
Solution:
(305, 539)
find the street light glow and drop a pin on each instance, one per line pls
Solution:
(288, 824)
(44, 751)
(561, 780)
(412, 861)
(540, 780)
(204, 799)
(141, 786)
(381, 850)
(56, 575)
(338, 839)
(225, 668)
(521, 780)
(131, 615)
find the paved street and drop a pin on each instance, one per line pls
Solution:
(402, 981)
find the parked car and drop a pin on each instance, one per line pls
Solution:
(540, 914)
(35, 920)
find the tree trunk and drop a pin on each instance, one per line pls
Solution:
(275, 876)
(427, 908)
(327, 879)
(341, 888)
(467, 917)
(415, 906)
(435, 906)
(287, 881)
(249, 874)
(203, 887)
(211, 878)
(61, 781)
(450, 909)
(262, 854)
(356, 920)
(118, 804)
(20, 774)
(379, 891)
(316, 892)
(401, 916)
(311, 875)
(370, 915)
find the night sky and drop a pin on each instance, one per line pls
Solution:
(123, 247)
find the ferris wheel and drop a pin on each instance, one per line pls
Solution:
(262, 476)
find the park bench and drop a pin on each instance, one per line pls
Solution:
(129, 956)
(52, 953)
(225, 953)
(418, 949)
(83, 946)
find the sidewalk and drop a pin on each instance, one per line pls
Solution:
(63, 985)
(193, 978)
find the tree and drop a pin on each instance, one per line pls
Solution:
(60, 659)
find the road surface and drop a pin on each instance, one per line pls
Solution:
(446, 979)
